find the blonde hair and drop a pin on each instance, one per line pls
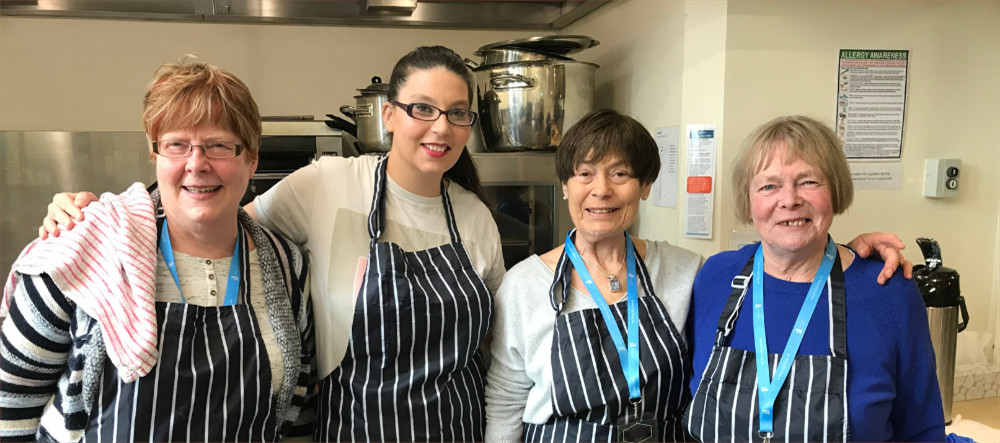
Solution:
(191, 93)
(807, 139)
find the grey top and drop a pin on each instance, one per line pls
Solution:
(519, 381)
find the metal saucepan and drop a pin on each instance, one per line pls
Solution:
(530, 93)
(367, 114)
(529, 105)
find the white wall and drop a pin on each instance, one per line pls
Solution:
(663, 62)
(781, 58)
(90, 75)
(737, 64)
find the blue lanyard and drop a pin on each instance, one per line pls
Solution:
(768, 388)
(232, 282)
(629, 356)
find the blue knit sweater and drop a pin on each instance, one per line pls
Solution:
(892, 387)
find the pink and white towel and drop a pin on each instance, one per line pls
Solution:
(107, 266)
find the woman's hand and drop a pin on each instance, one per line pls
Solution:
(64, 210)
(889, 248)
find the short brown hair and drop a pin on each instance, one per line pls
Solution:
(188, 94)
(807, 139)
(608, 134)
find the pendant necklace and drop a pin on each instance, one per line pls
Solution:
(613, 282)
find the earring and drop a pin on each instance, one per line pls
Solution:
(564, 197)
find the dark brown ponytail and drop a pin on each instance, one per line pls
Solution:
(464, 173)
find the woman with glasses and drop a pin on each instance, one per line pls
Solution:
(410, 256)
(170, 315)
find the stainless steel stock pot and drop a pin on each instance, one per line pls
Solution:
(529, 97)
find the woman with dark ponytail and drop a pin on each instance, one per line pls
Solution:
(405, 256)
(411, 257)
(463, 171)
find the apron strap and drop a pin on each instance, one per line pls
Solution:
(643, 273)
(376, 216)
(559, 289)
(243, 295)
(449, 214)
(837, 300)
(838, 309)
(727, 321)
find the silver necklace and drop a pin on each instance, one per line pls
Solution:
(613, 283)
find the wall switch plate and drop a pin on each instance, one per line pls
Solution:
(941, 177)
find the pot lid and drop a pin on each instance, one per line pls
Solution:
(377, 87)
(550, 44)
(513, 54)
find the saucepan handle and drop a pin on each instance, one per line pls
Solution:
(507, 81)
(350, 112)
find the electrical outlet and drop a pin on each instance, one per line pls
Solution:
(942, 177)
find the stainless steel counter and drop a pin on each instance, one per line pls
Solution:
(36, 164)
(516, 168)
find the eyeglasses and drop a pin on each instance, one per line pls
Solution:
(429, 113)
(183, 148)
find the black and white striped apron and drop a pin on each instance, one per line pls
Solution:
(589, 389)
(812, 404)
(211, 382)
(412, 371)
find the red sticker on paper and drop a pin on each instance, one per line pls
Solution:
(699, 185)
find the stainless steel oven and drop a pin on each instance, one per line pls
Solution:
(526, 200)
(289, 144)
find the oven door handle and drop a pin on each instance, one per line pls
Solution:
(270, 175)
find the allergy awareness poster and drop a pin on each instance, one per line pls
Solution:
(699, 186)
(871, 99)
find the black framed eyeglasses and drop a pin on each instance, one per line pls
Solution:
(183, 148)
(429, 113)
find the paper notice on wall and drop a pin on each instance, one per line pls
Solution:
(871, 99)
(699, 185)
(664, 191)
(877, 176)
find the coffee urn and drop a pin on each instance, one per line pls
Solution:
(939, 286)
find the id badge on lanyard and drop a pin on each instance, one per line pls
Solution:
(632, 427)
(767, 388)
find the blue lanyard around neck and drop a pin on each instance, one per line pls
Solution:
(232, 282)
(629, 356)
(768, 389)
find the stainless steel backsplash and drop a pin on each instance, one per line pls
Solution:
(34, 165)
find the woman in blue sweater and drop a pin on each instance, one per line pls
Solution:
(848, 359)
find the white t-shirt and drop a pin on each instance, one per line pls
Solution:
(325, 206)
